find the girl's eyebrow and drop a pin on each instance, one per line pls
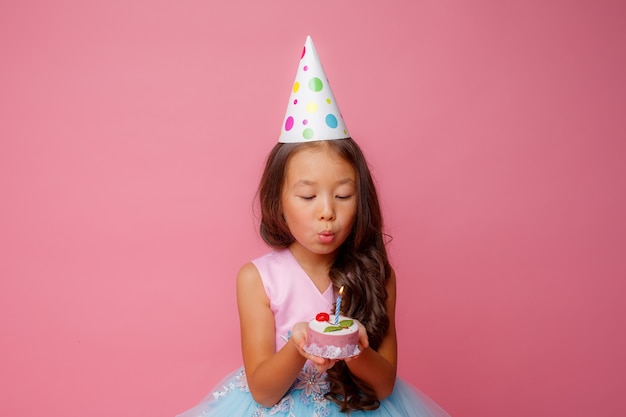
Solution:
(304, 182)
(347, 181)
(340, 182)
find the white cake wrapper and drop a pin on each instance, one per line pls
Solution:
(332, 352)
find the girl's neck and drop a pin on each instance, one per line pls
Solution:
(312, 260)
(315, 265)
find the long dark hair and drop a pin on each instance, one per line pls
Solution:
(362, 265)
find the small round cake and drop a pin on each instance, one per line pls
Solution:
(331, 340)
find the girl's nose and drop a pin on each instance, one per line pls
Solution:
(327, 209)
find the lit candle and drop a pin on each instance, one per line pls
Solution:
(338, 306)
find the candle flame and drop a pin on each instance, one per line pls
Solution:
(341, 290)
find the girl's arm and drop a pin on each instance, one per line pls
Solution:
(378, 368)
(269, 373)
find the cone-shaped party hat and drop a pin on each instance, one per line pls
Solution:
(312, 112)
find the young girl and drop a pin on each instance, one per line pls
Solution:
(320, 214)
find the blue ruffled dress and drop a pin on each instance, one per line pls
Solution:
(305, 398)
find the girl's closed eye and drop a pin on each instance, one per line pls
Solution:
(345, 196)
(307, 197)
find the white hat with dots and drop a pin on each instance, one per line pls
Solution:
(312, 112)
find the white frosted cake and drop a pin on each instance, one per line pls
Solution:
(331, 340)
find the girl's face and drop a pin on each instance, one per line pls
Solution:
(319, 199)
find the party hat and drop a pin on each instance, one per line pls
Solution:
(312, 112)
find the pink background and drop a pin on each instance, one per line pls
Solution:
(132, 136)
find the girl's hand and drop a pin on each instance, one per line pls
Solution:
(363, 340)
(298, 336)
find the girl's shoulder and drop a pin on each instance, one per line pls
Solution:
(248, 277)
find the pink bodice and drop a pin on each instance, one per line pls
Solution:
(293, 295)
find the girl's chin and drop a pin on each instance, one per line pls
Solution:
(321, 249)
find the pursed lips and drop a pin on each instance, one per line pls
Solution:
(326, 236)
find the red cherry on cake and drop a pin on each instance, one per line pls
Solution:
(322, 317)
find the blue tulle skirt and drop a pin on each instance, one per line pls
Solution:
(305, 398)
